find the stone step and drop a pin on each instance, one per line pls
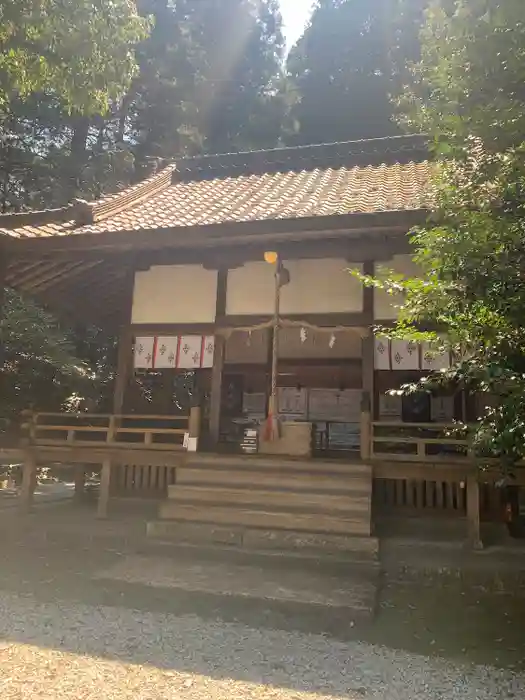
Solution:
(353, 596)
(354, 524)
(295, 480)
(281, 500)
(279, 543)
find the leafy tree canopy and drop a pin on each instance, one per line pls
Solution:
(80, 50)
(44, 364)
(342, 70)
(467, 91)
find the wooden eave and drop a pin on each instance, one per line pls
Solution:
(86, 277)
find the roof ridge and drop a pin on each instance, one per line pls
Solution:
(29, 218)
(400, 139)
(338, 154)
(116, 202)
(84, 213)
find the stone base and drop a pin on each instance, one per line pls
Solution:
(362, 550)
(295, 441)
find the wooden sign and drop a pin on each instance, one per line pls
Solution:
(334, 405)
(390, 408)
(292, 402)
(442, 409)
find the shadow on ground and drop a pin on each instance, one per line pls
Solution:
(55, 555)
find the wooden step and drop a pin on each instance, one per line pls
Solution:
(278, 499)
(298, 481)
(356, 524)
(316, 466)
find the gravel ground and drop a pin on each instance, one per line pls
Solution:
(66, 650)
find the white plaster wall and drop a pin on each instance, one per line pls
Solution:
(316, 286)
(385, 304)
(175, 294)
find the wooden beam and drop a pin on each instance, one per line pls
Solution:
(149, 329)
(57, 276)
(224, 233)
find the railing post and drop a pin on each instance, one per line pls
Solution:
(28, 481)
(194, 423)
(80, 481)
(110, 435)
(105, 481)
(473, 510)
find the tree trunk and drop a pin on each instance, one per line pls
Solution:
(78, 156)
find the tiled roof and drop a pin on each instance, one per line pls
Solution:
(258, 187)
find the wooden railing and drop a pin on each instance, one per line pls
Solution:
(116, 431)
(420, 442)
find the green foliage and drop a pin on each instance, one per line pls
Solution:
(471, 76)
(342, 69)
(209, 78)
(43, 364)
(80, 50)
(467, 91)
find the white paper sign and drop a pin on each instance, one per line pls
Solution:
(143, 353)
(404, 354)
(166, 352)
(190, 352)
(381, 353)
(208, 351)
(432, 360)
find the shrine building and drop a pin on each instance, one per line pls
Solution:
(183, 267)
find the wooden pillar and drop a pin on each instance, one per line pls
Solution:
(80, 481)
(218, 359)
(28, 481)
(4, 264)
(473, 511)
(123, 370)
(105, 482)
(216, 388)
(367, 366)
